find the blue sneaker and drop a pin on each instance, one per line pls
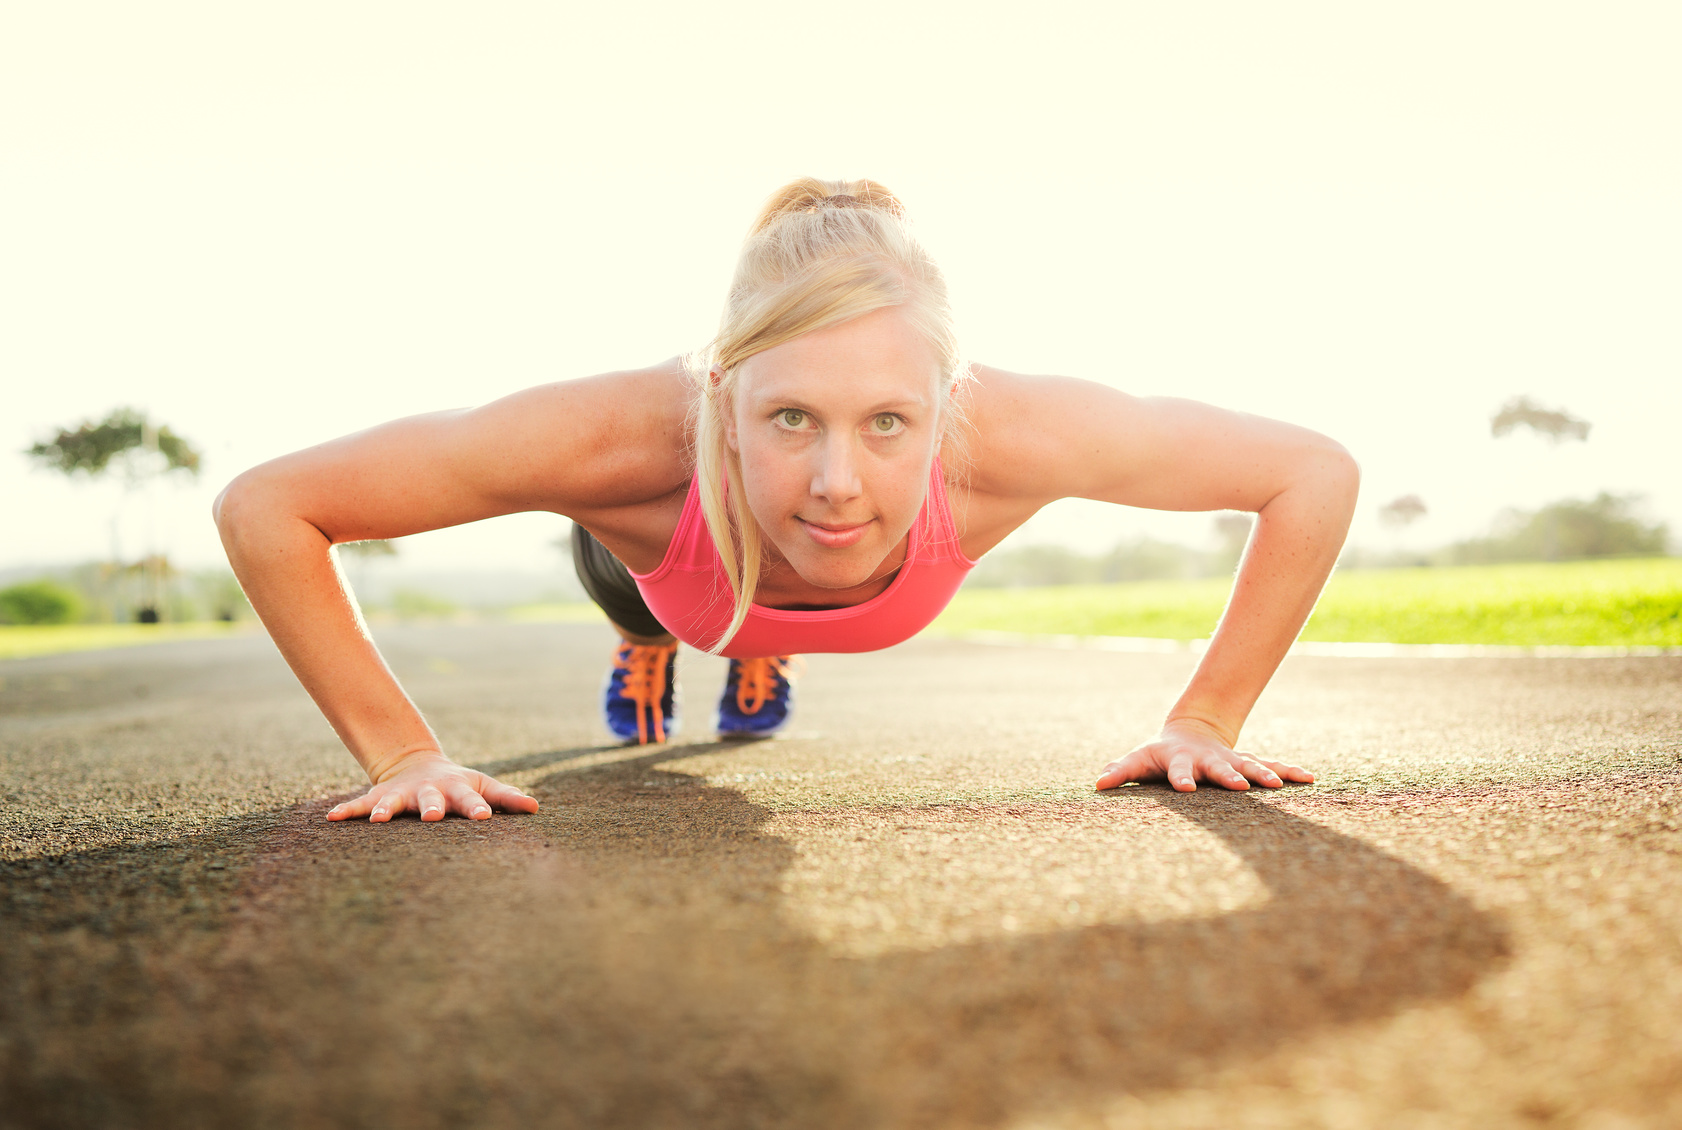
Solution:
(758, 694)
(639, 700)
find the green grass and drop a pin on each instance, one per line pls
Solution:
(582, 612)
(1620, 603)
(1625, 603)
(18, 641)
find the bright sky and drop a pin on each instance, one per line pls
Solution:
(272, 224)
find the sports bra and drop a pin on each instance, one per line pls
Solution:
(689, 593)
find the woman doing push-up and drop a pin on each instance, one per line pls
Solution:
(820, 477)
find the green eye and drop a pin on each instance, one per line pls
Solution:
(885, 423)
(791, 418)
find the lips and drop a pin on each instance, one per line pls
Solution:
(832, 536)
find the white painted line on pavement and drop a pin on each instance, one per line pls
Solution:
(1148, 645)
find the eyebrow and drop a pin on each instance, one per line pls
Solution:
(771, 397)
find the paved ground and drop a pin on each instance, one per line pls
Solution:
(911, 913)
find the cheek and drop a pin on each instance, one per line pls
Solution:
(772, 481)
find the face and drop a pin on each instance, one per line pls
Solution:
(836, 431)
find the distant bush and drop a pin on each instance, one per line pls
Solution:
(39, 602)
(1143, 560)
(411, 604)
(1604, 526)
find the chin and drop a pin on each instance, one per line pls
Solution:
(837, 575)
(836, 569)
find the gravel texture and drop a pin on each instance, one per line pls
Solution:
(912, 912)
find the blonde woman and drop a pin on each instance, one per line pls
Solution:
(820, 478)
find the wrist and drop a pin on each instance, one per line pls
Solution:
(389, 764)
(1210, 728)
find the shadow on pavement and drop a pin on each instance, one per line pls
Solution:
(624, 959)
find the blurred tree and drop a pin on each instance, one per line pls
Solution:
(1556, 424)
(38, 602)
(1604, 526)
(1403, 511)
(144, 452)
(1146, 559)
(360, 554)
(1141, 559)
(1233, 530)
(1032, 565)
(122, 436)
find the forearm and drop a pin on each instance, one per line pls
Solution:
(285, 567)
(1298, 536)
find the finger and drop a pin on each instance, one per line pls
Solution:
(1220, 771)
(351, 809)
(506, 797)
(1140, 765)
(1181, 773)
(465, 801)
(389, 805)
(431, 803)
(1291, 772)
(1118, 773)
(1259, 772)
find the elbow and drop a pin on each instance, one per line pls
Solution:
(1325, 472)
(1344, 470)
(1337, 477)
(237, 508)
(224, 511)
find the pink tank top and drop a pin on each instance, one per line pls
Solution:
(690, 594)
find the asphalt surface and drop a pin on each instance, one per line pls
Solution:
(910, 913)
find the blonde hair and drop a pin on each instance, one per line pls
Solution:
(820, 253)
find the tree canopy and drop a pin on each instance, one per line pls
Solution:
(92, 446)
(1604, 526)
(1403, 511)
(1557, 424)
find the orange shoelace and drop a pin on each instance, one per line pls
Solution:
(758, 681)
(645, 684)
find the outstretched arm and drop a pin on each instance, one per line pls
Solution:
(582, 448)
(1077, 439)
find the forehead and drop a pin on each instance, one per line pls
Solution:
(877, 356)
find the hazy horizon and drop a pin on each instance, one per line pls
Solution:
(272, 228)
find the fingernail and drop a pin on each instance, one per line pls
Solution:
(378, 812)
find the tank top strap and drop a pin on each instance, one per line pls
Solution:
(939, 531)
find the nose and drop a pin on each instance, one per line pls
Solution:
(835, 479)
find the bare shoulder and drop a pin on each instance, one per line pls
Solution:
(591, 444)
(1022, 436)
(1016, 422)
(1034, 439)
(610, 451)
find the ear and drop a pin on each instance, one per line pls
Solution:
(727, 412)
(729, 416)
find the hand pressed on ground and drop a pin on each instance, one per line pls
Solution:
(434, 786)
(1188, 752)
